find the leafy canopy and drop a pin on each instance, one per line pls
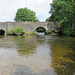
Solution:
(63, 11)
(24, 14)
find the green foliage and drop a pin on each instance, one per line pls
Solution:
(51, 18)
(63, 12)
(34, 32)
(48, 19)
(67, 30)
(18, 29)
(48, 31)
(24, 14)
(12, 31)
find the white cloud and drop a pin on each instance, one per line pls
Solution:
(8, 8)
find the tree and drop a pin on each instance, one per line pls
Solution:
(64, 12)
(48, 19)
(24, 14)
(51, 18)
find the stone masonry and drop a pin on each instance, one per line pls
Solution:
(28, 26)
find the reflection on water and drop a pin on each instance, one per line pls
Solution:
(40, 38)
(25, 45)
(1, 36)
(63, 55)
(41, 33)
(37, 55)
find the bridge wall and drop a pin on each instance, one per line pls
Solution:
(28, 26)
(3, 26)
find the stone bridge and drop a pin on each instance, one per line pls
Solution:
(28, 26)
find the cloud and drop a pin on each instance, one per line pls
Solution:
(8, 8)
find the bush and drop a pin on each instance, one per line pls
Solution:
(34, 32)
(72, 33)
(67, 30)
(17, 30)
(48, 31)
(12, 31)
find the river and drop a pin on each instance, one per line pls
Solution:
(37, 55)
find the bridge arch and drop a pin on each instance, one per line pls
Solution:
(40, 29)
(2, 32)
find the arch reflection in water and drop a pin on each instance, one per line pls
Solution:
(41, 34)
(26, 46)
(63, 57)
(40, 38)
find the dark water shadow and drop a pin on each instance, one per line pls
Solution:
(1, 36)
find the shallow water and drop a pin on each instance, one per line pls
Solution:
(37, 55)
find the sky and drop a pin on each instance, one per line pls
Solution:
(8, 8)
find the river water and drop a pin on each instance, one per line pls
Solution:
(37, 55)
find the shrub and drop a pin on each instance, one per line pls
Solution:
(48, 32)
(67, 30)
(17, 30)
(34, 32)
(12, 31)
